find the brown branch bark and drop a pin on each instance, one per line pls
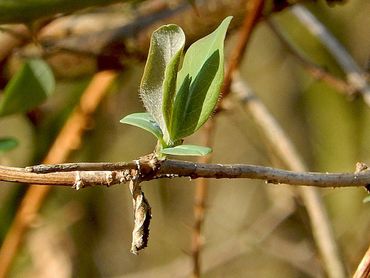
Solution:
(67, 140)
(177, 168)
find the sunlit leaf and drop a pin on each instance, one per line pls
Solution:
(159, 79)
(31, 85)
(169, 84)
(144, 121)
(204, 66)
(7, 143)
(190, 150)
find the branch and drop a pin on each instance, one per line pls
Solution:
(363, 269)
(200, 198)
(67, 140)
(315, 70)
(253, 14)
(176, 168)
(284, 148)
(355, 75)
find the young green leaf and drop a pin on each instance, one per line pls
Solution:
(158, 83)
(31, 85)
(169, 87)
(144, 121)
(190, 150)
(7, 143)
(204, 66)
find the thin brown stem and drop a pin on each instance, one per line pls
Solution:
(363, 269)
(200, 198)
(252, 16)
(67, 140)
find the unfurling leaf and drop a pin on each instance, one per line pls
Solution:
(31, 85)
(191, 150)
(204, 66)
(158, 83)
(144, 121)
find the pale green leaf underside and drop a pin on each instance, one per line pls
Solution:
(367, 199)
(165, 50)
(7, 143)
(144, 121)
(204, 66)
(190, 150)
(31, 85)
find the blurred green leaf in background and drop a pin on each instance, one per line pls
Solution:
(30, 86)
(7, 144)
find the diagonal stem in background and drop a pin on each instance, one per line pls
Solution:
(200, 198)
(355, 75)
(363, 269)
(253, 14)
(35, 196)
(316, 71)
(283, 147)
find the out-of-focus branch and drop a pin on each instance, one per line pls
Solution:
(284, 148)
(316, 71)
(201, 193)
(355, 75)
(67, 140)
(363, 269)
(257, 235)
(11, 37)
(253, 14)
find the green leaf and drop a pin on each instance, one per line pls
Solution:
(204, 66)
(144, 121)
(191, 150)
(7, 143)
(31, 85)
(158, 84)
(367, 199)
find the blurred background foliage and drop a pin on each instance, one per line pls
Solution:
(88, 233)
